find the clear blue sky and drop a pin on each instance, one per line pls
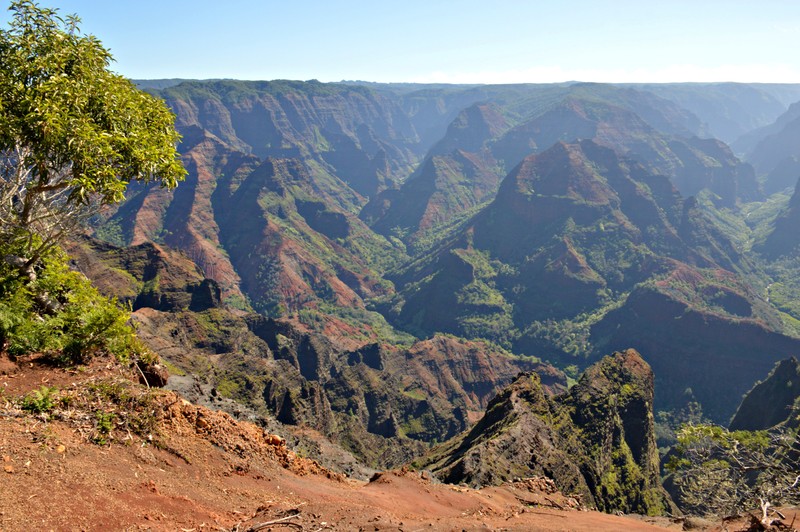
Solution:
(448, 41)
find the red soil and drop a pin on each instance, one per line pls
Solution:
(203, 470)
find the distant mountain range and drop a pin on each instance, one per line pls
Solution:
(523, 226)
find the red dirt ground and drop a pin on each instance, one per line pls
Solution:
(202, 470)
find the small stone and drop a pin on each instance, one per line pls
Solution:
(275, 440)
(61, 449)
(6, 458)
(8, 469)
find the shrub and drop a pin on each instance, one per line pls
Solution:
(722, 472)
(104, 426)
(61, 315)
(39, 401)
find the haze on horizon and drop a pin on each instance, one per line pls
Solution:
(438, 41)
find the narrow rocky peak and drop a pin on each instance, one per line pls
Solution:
(473, 128)
(596, 441)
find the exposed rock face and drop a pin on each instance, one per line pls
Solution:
(771, 402)
(145, 275)
(691, 163)
(515, 438)
(381, 402)
(590, 208)
(658, 133)
(579, 228)
(612, 407)
(443, 187)
(307, 249)
(352, 130)
(716, 345)
(472, 129)
(458, 174)
(597, 440)
(234, 207)
(779, 143)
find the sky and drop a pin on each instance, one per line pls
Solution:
(447, 41)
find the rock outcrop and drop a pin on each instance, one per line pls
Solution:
(596, 441)
(612, 409)
(697, 345)
(773, 401)
(381, 402)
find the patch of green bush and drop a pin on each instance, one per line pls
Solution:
(39, 401)
(60, 314)
(104, 424)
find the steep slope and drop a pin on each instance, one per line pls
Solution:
(784, 239)
(780, 146)
(771, 402)
(168, 464)
(233, 207)
(269, 209)
(185, 218)
(382, 403)
(145, 275)
(444, 187)
(783, 176)
(704, 351)
(472, 129)
(308, 250)
(458, 174)
(692, 163)
(599, 222)
(750, 140)
(433, 108)
(659, 113)
(354, 132)
(294, 209)
(574, 233)
(596, 441)
(729, 109)
(619, 117)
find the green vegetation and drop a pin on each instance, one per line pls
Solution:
(61, 315)
(669, 422)
(364, 322)
(72, 133)
(723, 472)
(103, 427)
(784, 292)
(119, 405)
(106, 410)
(568, 341)
(72, 136)
(111, 231)
(40, 401)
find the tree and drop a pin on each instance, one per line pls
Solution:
(723, 472)
(73, 134)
